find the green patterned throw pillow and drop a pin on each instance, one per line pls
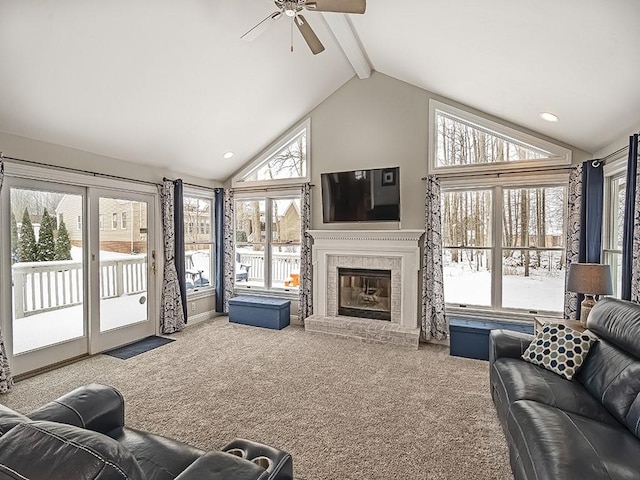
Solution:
(559, 349)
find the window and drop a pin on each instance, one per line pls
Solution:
(285, 162)
(503, 231)
(79, 222)
(199, 242)
(123, 220)
(504, 247)
(268, 241)
(101, 222)
(613, 226)
(114, 221)
(462, 140)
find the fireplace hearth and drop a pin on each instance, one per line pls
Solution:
(364, 293)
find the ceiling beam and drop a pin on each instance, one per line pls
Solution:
(344, 33)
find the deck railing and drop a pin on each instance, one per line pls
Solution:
(282, 265)
(44, 286)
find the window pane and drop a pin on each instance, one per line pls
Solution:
(466, 219)
(462, 143)
(199, 265)
(533, 280)
(286, 220)
(47, 268)
(285, 266)
(467, 276)
(250, 219)
(288, 162)
(614, 260)
(618, 192)
(197, 220)
(533, 217)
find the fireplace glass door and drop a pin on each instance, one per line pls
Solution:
(364, 293)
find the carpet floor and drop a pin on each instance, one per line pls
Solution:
(344, 410)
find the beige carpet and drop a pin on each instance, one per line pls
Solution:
(343, 409)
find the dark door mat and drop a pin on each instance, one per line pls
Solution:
(138, 347)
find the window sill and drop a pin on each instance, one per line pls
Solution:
(513, 315)
(262, 292)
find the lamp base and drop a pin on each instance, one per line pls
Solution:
(585, 308)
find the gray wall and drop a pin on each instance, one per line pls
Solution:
(380, 122)
(616, 144)
(43, 152)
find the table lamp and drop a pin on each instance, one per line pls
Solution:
(590, 279)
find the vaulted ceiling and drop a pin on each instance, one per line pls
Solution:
(171, 84)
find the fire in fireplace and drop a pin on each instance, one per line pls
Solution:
(364, 293)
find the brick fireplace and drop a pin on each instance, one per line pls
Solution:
(387, 298)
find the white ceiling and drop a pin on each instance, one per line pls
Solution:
(171, 84)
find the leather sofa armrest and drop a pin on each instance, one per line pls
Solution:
(222, 466)
(507, 343)
(95, 407)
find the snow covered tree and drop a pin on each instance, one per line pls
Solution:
(28, 250)
(63, 245)
(15, 239)
(46, 242)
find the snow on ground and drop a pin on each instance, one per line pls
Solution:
(49, 328)
(528, 293)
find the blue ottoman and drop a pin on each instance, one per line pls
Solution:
(469, 337)
(260, 311)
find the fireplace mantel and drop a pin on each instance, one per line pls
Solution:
(396, 250)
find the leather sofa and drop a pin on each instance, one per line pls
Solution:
(82, 436)
(585, 428)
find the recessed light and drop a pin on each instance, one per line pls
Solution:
(227, 155)
(549, 117)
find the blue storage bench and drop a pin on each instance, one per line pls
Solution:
(469, 337)
(260, 311)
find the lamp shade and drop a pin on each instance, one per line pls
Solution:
(590, 278)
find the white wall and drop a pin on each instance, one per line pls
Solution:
(381, 122)
(49, 153)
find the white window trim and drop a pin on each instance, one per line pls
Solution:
(114, 226)
(267, 196)
(612, 169)
(562, 156)
(497, 185)
(123, 220)
(206, 194)
(238, 179)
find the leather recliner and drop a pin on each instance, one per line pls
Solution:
(587, 428)
(82, 436)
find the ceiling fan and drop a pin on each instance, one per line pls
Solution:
(293, 8)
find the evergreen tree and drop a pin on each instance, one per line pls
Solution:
(63, 244)
(15, 240)
(28, 250)
(46, 243)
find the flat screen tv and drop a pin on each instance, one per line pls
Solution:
(361, 196)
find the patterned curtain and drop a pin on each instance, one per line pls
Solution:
(434, 322)
(6, 380)
(306, 275)
(171, 310)
(574, 199)
(229, 250)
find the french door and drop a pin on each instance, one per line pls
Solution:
(78, 267)
(122, 265)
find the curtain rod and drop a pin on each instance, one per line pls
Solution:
(614, 154)
(503, 174)
(87, 172)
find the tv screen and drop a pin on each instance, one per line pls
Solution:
(361, 196)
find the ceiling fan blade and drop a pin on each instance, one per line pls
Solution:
(256, 31)
(309, 35)
(339, 6)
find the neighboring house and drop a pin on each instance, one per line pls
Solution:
(290, 224)
(122, 223)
